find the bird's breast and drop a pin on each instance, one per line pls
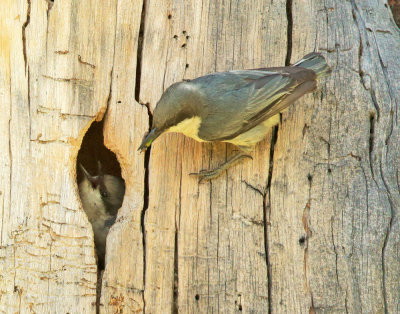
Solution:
(189, 127)
(251, 137)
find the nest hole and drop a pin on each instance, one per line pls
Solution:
(102, 166)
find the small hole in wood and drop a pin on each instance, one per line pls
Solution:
(240, 307)
(183, 46)
(99, 178)
(187, 65)
(169, 16)
(175, 37)
(302, 240)
(197, 297)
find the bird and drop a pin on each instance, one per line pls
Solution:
(101, 196)
(239, 106)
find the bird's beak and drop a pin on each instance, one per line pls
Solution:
(93, 179)
(87, 175)
(153, 134)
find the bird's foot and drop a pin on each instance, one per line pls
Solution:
(207, 175)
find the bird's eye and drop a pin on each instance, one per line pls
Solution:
(104, 193)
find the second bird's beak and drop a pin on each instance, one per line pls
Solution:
(153, 134)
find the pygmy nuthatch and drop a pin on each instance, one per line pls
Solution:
(237, 107)
(101, 197)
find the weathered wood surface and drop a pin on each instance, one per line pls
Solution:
(317, 230)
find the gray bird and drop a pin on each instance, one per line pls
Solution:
(237, 107)
(101, 197)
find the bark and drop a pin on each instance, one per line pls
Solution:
(309, 225)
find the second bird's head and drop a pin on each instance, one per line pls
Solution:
(175, 106)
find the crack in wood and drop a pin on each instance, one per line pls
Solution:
(146, 165)
(145, 202)
(175, 308)
(335, 250)
(306, 225)
(251, 187)
(312, 307)
(85, 63)
(387, 140)
(267, 213)
(24, 26)
(10, 195)
(289, 31)
(393, 215)
(369, 85)
(364, 42)
(371, 144)
(50, 4)
(386, 75)
(366, 193)
(139, 54)
(73, 80)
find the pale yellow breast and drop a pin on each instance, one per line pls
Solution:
(251, 137)
(189, 127)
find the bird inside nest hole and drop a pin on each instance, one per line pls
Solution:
(101, 187)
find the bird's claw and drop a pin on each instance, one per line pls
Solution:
(206, 175)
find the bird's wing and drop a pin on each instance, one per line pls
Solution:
(241, 100)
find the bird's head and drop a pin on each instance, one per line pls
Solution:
(174, 106)
(94, 182)
(103, 188)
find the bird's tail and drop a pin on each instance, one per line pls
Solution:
(316, 62)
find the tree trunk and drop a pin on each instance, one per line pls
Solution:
(311, 224)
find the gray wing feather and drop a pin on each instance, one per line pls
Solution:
(240, 100)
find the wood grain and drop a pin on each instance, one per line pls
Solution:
(310, 225)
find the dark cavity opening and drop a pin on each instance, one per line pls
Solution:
(101, 189)
(302, 240)
(371, 132)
